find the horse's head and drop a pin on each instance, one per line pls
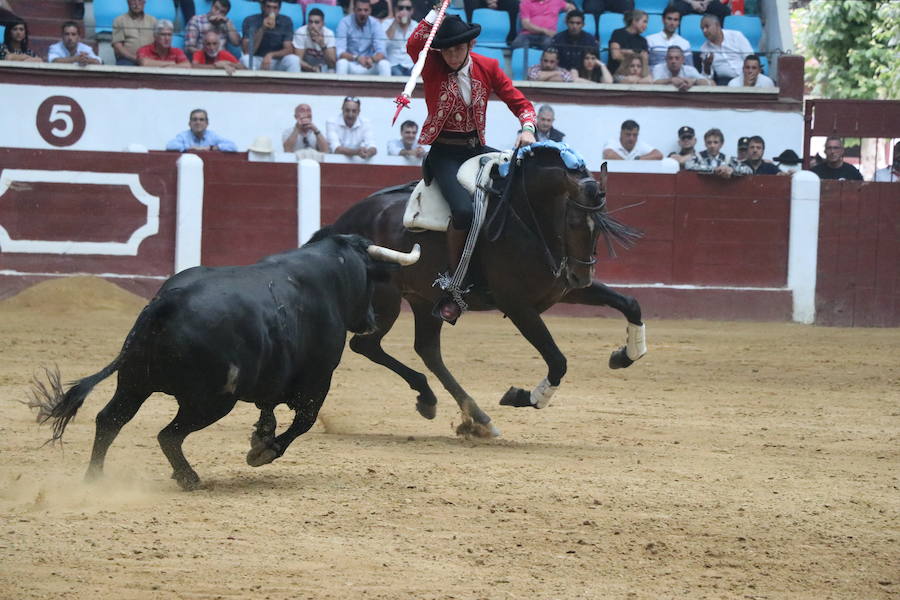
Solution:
(569, 206)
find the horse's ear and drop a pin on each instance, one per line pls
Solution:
(603, 175)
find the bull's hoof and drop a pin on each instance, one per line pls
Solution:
(187, 480)
(517, 397)
(261, 455)
(429, 411)
(619, 359)
(259, 441)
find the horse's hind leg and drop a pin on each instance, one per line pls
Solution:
(386, 302)
(598, 294)
(109, 422)
(428, 347)
(194, 413)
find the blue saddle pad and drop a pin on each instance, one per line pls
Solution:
(569, 156)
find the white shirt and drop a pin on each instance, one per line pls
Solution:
(59, 50)
(396, 46)
(658, 44)
(302, 141)
(640, 149)
(359, 135)
(302, 41)
(661, 71)
(761, 81)
(886, 175)
(728, 59)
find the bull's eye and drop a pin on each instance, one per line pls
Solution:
(341, 259)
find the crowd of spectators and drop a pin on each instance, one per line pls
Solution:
(371, 40)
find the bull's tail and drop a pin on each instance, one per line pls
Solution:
(51, 402)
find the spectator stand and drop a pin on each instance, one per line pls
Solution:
(751, 27)
(590, 25)
(651, 7)
(496, 53)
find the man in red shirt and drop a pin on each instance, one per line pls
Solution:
(458, 84)
(213, 56)
(161, 53)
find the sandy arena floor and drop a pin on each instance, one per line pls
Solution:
(735, 460)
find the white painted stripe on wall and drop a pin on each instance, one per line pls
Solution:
(803, 244)
(131, 180)
(189, 212)
(309, 199)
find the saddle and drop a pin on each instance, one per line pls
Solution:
(426, 209)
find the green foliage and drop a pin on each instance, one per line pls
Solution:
(855, 46)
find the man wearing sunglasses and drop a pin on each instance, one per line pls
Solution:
(396, 32)
(458, 84)
(834, 167)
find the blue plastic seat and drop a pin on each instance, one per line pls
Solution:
(653, 7)
(161, 9)
(459, 12)
(750, 26)
(654, 24)
(608, 23)
(240, 10)
(690, 30)
(178, 41)
(295, 12)
(495, 53)
(522, 61)
(590, 24)
(105, 11)
(494, 26)
(333, 14)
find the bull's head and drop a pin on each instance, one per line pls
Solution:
(379, 271)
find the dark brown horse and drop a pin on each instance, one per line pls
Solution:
(536, 249)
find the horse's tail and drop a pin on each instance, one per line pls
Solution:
(51, 403)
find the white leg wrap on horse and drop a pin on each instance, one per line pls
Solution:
(636, 346)
(541, 395)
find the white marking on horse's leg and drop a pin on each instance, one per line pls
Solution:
(541, 395)
(636, 346)
(231, 380)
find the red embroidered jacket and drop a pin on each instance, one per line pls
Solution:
(447, 111)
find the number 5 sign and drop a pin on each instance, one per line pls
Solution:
(60, 121)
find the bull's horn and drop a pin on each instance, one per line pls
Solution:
(404, 258)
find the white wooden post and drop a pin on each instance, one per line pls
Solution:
(309, 196)
(189, 212)
(803, 245)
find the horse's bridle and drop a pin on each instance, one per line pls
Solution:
(557, 268)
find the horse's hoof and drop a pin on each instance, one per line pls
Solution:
(187, 480)
(469, 429)
(429, 411)
(516, 397)
(257, 441)
(261, 455)
(92, 475)
(619, 359)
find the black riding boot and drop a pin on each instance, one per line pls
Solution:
(446, 308)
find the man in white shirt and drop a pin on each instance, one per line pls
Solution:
(676, 73)
(660, 42)
(350, 134)
(627, 147)
(396, 32)
(408, 144)
(314, 44)
(892, 171)
(71, 50)
(304, 134)
(752, 75)
(723, 51)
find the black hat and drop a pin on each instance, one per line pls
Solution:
(685, 130)
(454, 31)
(788, 157)
(743, 142)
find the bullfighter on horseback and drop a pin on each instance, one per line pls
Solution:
(458, 84)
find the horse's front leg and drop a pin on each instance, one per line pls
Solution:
(598, 294)
(530, 325)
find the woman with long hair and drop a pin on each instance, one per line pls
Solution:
(15, 44)
(629, 40)
(633, 70)
(592, 69)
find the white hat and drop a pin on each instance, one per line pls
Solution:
(262, 144)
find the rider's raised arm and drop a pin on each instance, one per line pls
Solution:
(416, 41)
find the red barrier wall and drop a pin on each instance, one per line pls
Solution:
(100, 213)
(858, 275)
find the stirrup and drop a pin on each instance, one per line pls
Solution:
(447, 310)
(451, 305)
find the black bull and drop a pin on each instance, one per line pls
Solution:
(268, 333)
(537, 249)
